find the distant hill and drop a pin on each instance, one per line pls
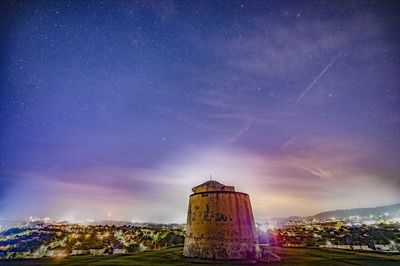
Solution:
(362, 212)
(6, 224)
(284, 220)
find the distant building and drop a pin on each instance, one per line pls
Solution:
(76, 252)
(97, 252)
(56, 252)
(120, 251)
(220, 224)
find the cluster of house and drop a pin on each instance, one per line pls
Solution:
(378, 238)
(392, 248)
(61, 251)
(72, 240)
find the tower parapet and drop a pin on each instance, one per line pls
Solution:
(212, 186)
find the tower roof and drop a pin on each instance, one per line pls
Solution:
(212, 186)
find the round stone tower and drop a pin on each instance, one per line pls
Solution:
(220, 224)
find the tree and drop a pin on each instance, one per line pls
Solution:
(133, 248)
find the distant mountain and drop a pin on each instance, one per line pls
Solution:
(391, 210)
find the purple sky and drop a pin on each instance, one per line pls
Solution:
(122, 106)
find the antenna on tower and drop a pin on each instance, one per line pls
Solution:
(210, 176)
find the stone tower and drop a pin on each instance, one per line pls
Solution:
(220, 224)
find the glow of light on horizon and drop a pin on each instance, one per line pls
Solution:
(271, 191)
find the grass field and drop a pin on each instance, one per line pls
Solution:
(173, 256)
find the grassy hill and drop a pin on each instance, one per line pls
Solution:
(173, 256)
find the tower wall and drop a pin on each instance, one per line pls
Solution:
(220, 226)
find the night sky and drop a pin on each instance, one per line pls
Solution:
(122, 107)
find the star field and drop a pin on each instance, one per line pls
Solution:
(123, 106)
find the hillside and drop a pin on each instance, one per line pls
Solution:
(173, 256)
(362, 212)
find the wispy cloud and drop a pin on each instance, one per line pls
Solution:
(278, 182)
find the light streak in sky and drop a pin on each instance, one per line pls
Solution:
(316, 80)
